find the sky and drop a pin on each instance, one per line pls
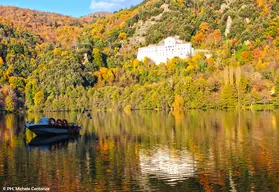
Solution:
(75, 8)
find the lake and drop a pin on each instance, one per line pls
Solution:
(145, 151)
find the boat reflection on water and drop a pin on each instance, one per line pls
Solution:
(168, 165)
(48, 143)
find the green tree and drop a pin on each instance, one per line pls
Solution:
(98, 57)
(228, 96)
(30, 89)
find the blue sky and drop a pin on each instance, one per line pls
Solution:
(74, 8)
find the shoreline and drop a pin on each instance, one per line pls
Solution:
(267, 107)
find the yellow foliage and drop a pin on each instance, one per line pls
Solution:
(171, 64)
(96, 51)
(136, 63)
(260, 3)
(178, 102)
(64, 53)
(97, 30)
(106, 50)
(1, 61)
(266, 49)
(109, 76)
(197, 57)
(265, 9)
(116, 49)
(128, 109)
(39, 98)
(180, 2)
(56, 52)
(32, 61)
(4, 42)
(190, 68)
(122, 36)
(103, 70)
(9, 72)
(261, 65)
(12, 82)
(9, 104)
(123, 25)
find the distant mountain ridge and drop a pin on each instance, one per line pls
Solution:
(98, 14)
(46, 24)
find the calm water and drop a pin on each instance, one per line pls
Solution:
(146, 151)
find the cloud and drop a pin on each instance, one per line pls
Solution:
(111, 5)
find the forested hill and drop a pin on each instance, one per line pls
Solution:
(48, 25)
(54, 62)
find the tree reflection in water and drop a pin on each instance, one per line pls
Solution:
(147, 150)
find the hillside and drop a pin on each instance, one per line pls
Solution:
(64, 63)
(48, 25)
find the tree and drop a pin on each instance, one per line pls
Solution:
(9, 104)
(178, 103)
(30, 90)
(39, 99)
(228, 96)
(97, 57)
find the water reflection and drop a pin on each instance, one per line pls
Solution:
(51, 143)
(146, 151)
(167, 164)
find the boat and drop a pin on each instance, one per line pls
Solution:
(49, 126)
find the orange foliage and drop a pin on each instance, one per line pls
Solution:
(244, 54)
(217, 35)
(257, 53)
(260, 3)
(47, 25)
(1, 61)
(199, 36)
(210, 60)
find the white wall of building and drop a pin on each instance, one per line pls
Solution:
(170, 47)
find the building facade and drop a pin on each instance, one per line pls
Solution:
(167, 49)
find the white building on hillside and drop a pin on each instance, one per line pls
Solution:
(167, 49)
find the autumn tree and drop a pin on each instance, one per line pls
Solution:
(9, 104)
(39, 99)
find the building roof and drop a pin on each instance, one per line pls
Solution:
(162, 42)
